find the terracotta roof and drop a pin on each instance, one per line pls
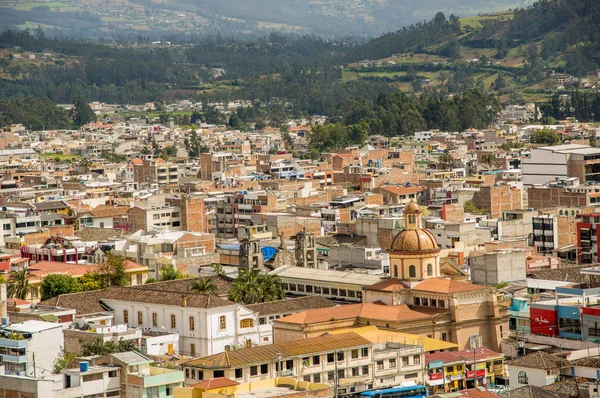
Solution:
(92, 234)
(414, 240)
(219, 382)
(540, 360)
(182, 285)
(387, 285)
(565, 274)
(54, 205)
(291, 305)
(567, 387)
(402, 190)
(95, 299)
(531, 392)
(109, 211)
(269, 353)
(137, 161)
(441, 285)
(365, 310)
(43, 268)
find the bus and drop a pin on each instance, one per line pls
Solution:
(413, 391)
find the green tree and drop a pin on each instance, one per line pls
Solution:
(100, 347)
(90, 281)
(204, 286)
(62, 361)
(18, 283)
(82, 113)
(170, 273)
(251, 287)
(218, 269)
(545, 136)
(446, 158)
(56, 284)
(470, 207)
(112, 271)
(488, 159)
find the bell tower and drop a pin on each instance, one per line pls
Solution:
(250, 254)
(306, 250)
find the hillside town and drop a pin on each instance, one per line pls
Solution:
(144, 258)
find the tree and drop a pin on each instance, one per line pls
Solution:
(470, 207)
(82, 113)
(445, 157)
(218, 269)
(62, 361)
(170, 273)
(204, 286)
(251, 287)
(90, 281)
(488, 159)
(56, 284)
(18, 283)
(545, 136)
(112, 271)
(99, 347)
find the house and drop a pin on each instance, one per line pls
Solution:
(536, 369)
(85, 381)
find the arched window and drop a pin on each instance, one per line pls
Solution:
(395, 271)
(222, 322)
(560, 213)
(412, 271)
(429, 270)
(523, 379)
(246, 323)
(572, 212)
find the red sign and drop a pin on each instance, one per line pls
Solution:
(436, 376)
(543, 321)
(480, 373)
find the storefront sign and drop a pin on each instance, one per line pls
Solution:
(480, 373)
(436, 376)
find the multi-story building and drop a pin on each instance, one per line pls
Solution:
(545, 233)
(156, 171)
(561, 161)
(496, 267)
(237, 209)
(347, 360)
(154, 218)
(30, 347)
(587, 238)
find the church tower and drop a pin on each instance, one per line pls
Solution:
(250, 254)
(415, 254)
(306, 250)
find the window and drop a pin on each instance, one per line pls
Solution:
(404, 361)
(222, 322)
(365, 352)
(444, 337)
(355, 354)
(125, 316)
(193, 373)
(154, 319)
(355, 372)
(379, 365)
(152, 392)
(392, 363)
(114, 393)
(416, 359)
(187, 373)
(411, 375)
(523, 379)
(253, 370)
(173, 321)
(417, 300)
(264, 369)
(365, 370)
(317, 378)
(169, 389)
(340, 356)
(316, 360)
(193, 350)
(192, 323)
(425, 302)
(140, 318)
(330, 357)
(238, 373)
(306, 378)
(217, 373)
(289, 364)
(341, 374)
(412, 272)
(331, 376)
(449, 369)
(92, 377)
(262, 321)
(112, 373)
(429, 270)
(247, 323)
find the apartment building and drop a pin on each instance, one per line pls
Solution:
(237, 209)
(154, 218)
(156, 171)
(588, 230)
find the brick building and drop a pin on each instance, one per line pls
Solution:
(496, 199)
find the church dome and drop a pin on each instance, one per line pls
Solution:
(412, 240)
(412, 207)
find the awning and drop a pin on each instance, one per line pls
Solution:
(435, 382)
(49, 318)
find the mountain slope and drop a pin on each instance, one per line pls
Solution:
(181, 17)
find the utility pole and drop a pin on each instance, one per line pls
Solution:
(336, 379)
(34, 367)
(474, 347)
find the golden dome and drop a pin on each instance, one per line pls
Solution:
(414, 240)
(412, 207)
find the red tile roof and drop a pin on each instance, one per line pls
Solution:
(43, 268)
(441, 285)
(218, 382)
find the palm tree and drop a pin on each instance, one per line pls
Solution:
(18, 283)
(203, 286)
(271, 288)
(251, 287)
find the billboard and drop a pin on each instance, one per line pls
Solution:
(543, 321)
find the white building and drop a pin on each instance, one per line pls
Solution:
(537, 369)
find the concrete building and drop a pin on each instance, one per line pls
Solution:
(493, 268)
(156, 171)
(559, 162)
(237, 209)
(538, 369)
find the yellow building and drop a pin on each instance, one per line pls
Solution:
(222, 387)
